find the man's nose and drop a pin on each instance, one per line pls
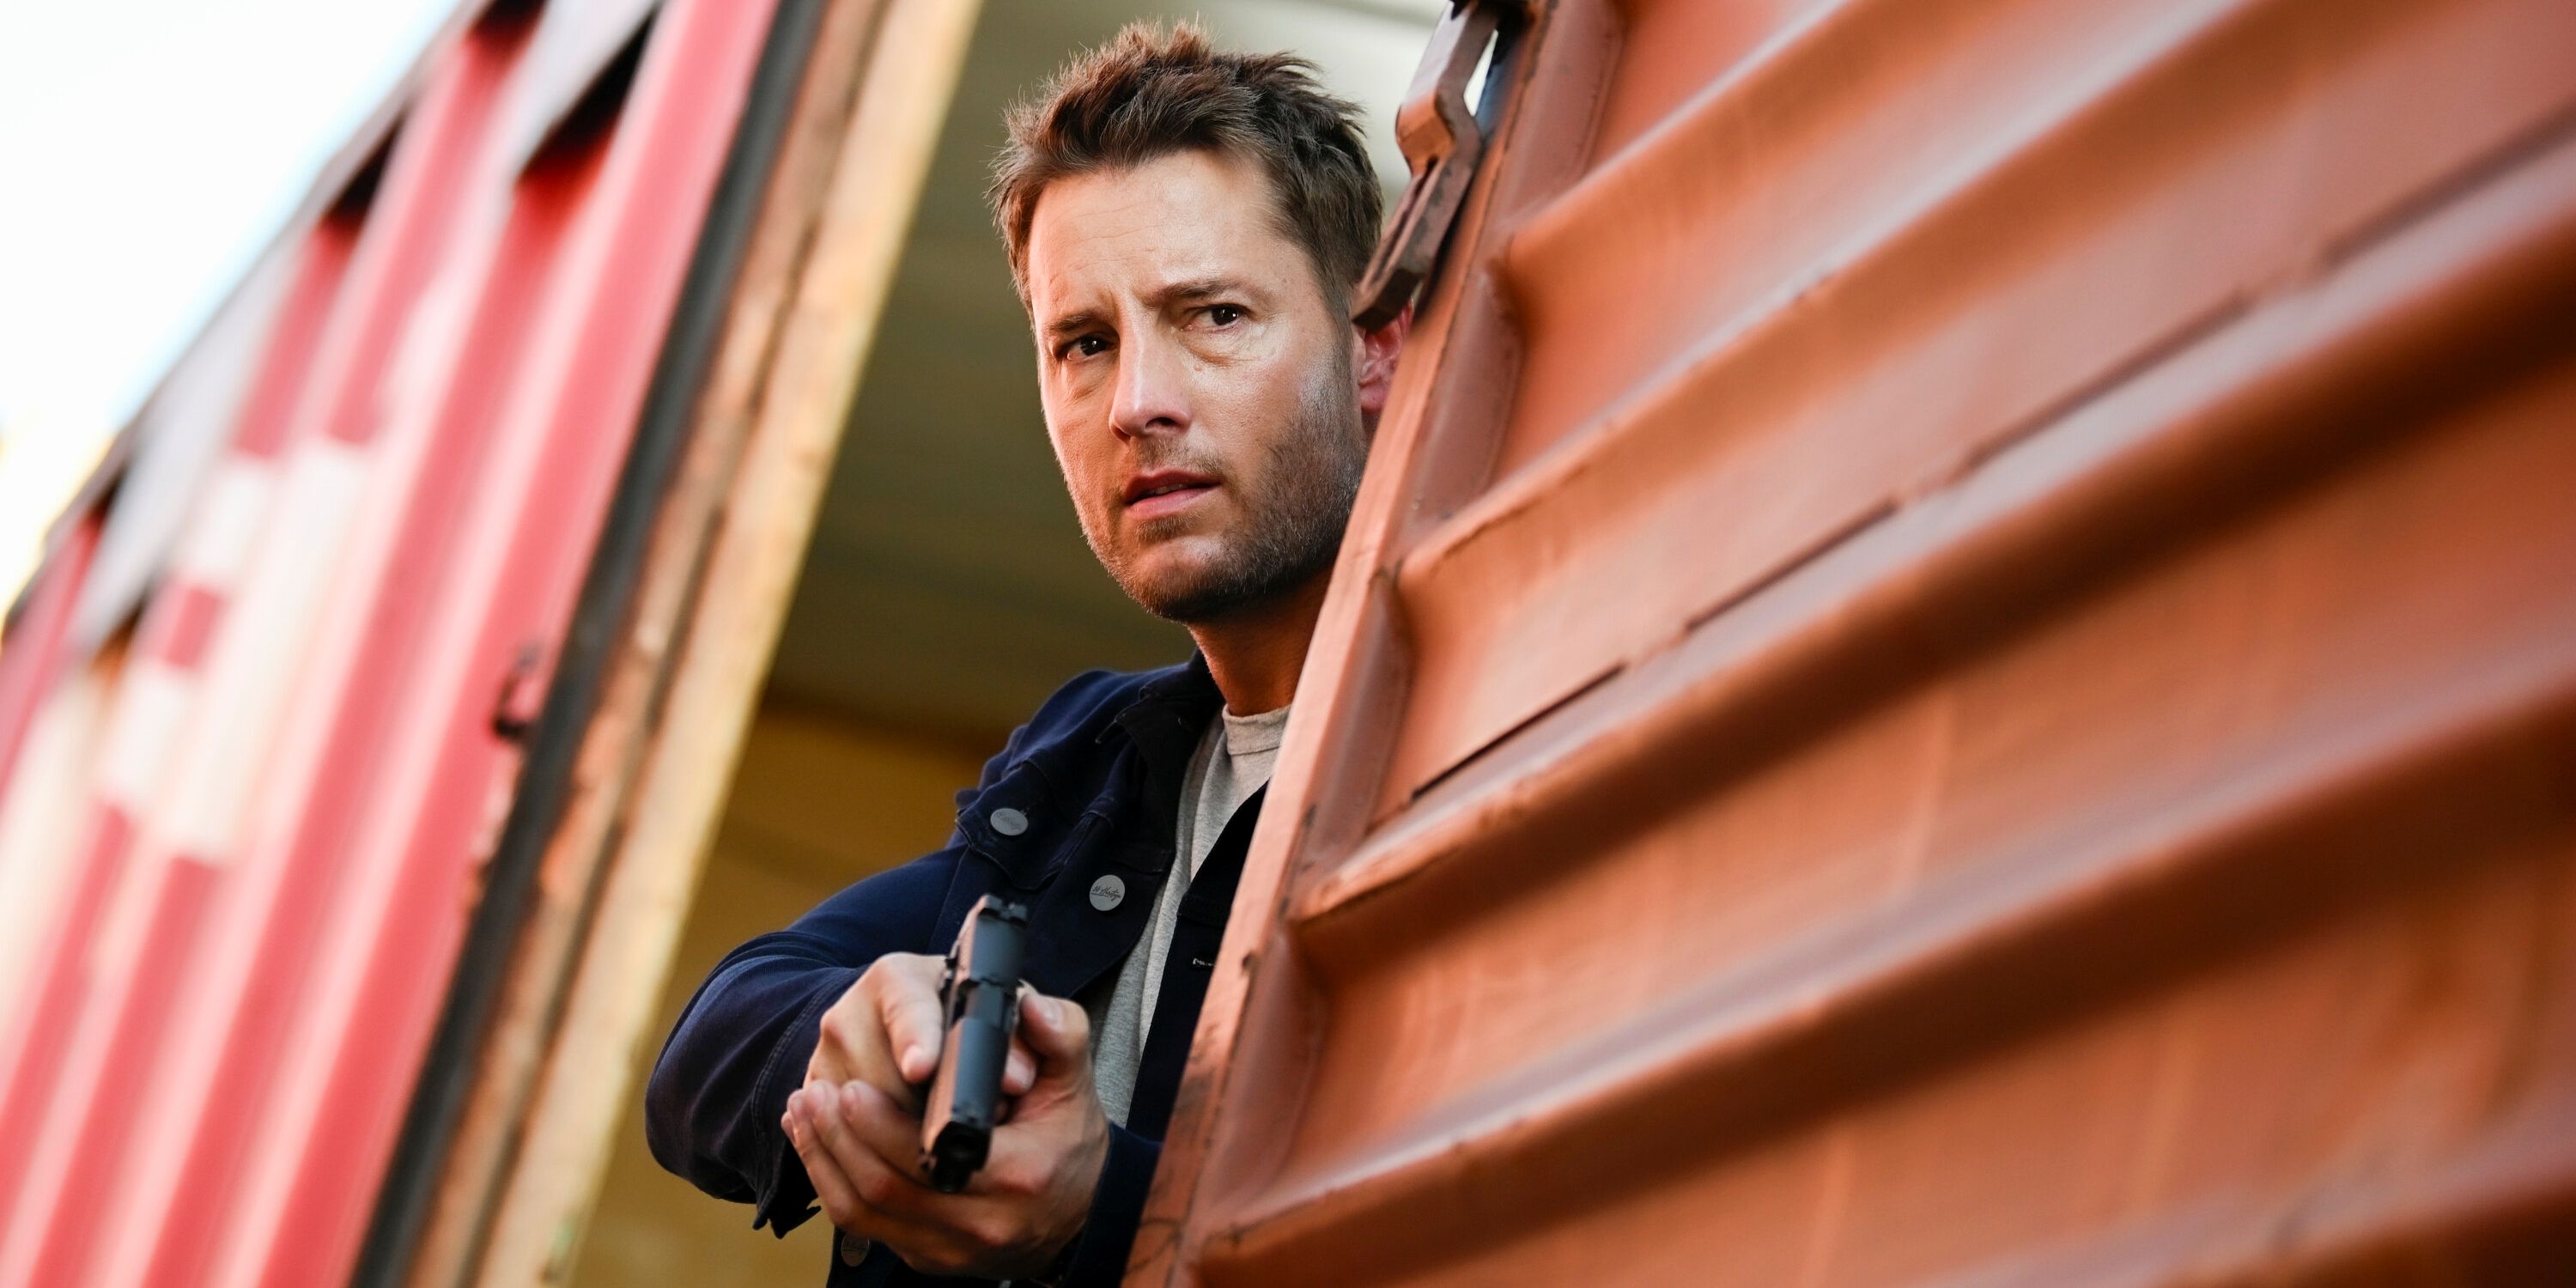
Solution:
(1153, 389)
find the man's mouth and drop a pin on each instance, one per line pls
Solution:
(1163, 492)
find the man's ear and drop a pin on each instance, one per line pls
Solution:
(1376, 368)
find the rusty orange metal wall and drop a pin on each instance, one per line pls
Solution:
(1957, 665)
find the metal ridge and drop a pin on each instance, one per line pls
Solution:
(2122, 455)
(1979, 952)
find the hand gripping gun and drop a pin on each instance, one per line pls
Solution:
(980, 995)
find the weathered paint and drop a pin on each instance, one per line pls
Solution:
(211, 1052)
(1957, 664)
(59, 1019)
(632, 207)
(34, 635)
(48, 804)
(364, 457)
(273, 527)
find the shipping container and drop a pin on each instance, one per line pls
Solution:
(367, 744)
(1956, 666)
(307, 656)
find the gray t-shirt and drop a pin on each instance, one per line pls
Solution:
(1232, 762)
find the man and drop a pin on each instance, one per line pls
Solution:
(1186, 228)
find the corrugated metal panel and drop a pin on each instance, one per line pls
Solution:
(1957, 666)
(170, 451)
(211, 1055)
(35, 633)
(46, 808)
(159, 461)
(62, 1022)
(625, 205)
(582, 42)
(251, 592)
(51, 720)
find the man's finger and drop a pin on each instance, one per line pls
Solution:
(860, 1035)
(910, 1241)
(914, 1025)
(1021, 1069)
(891, 1206)
(840, 1201)
(884, 1129)
(863, 1055)
(893, 1138)
(868, 1136)
(1058, 1032)
(876, 1184)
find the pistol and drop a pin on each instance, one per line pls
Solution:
(980, 994)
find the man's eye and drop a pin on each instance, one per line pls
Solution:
(1224, 314)
(1084, 347)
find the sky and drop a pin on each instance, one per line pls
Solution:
(149, 149)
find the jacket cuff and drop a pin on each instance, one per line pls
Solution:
(785, 1199)
(1098, 1258)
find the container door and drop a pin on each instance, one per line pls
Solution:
(1957, 664)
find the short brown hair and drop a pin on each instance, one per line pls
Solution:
(1146, 94)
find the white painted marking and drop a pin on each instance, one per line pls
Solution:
(218, 544)
(151, 708)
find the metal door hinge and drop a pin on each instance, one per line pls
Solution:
(1442, 144)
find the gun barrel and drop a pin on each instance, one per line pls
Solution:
(983, 988)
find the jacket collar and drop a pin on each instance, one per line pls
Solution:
(1163, 723)
(1167, 718)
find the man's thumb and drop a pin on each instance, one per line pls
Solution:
(1057, 1030)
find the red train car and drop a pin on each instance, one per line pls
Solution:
(362, 533)
(1955, 665)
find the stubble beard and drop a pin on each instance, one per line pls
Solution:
(1293, 528)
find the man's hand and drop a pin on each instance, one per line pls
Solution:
(862, 1148)
(886, 1031)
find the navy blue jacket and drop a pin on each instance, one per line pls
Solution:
(1097, 775)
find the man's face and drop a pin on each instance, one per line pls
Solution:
(1199, 388)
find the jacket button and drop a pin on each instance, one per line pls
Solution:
(1108, 892)
(854, 1249)
(1009, 822)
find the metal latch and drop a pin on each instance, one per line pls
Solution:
(1441, 146)
(522, 695)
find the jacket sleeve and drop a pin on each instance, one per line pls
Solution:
(720, 1085)
(712, 1106)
